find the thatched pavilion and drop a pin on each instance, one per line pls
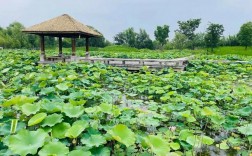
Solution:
(63, 26)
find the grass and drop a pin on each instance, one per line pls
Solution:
(118, 51)
(238, 50)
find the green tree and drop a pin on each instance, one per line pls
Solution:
(143, 40)
(245, 35)
(180, 41)
(50, 42)
(98, 41)
(127, 37)
(199, 40)
(188, 29)
(162, 34)
(229, 41)
(213, 34)
(18, 39)
(33, 41)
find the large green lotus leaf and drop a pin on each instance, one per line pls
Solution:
(197, 141)
(194, 140)
(178, 106)
(52, 120)
(73, 111)
(19, 101)
(242, 89)
(27, 142)
(223, 145)
(71, 77)
(62, 86)
(185, 114)
(36, 119)
(232, 119)
(246, 111)
(158, 145)
(5, 152)
(59, 130)
(82, 123)
(29, 109)
(54, 149)
(207, 140)
(77, 128)
(42, 84)
(1, 114)
(207, 111)
(235, 141)
(106, 108)
(79, 153)
(250, 139)
(190, 119)
(93, 140)
(76, 95)
(123, 134)
(77, 103)
(246, 129)
(100, 151)
(174, 154)
(5, 70)
(48, 90)
(52, 107)
(175, 146)
(91, 110)
(218, 119)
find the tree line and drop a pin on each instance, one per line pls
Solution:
(185, 37)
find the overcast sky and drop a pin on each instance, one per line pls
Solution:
(113, 16)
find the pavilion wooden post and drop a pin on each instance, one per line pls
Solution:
(73, 56)
(87, 48)
(60, 46)
(42, 48)
(73, 47)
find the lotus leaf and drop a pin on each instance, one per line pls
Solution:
(73, 111)
(80, 153)
(77, 128)
(29, 109)
(59, 130)
(27, 142)
(62, 86)
(175, 146)
(19, 101)
(207, 111)
(54, 148)
(223, 145)
(123, 134)
(52, 120)
(246, 129)
(36, 119)
(100, 151)
(158, 145)
(93, 140)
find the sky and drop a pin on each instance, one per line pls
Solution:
(113, 16)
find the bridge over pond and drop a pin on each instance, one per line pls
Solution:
(177, 64)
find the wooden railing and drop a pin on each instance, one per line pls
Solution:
(130, 64)
(136, 64)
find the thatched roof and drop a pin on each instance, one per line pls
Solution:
(64, 26)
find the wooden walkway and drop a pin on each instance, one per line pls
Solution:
(178, 64)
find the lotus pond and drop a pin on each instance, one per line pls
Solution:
(91, 109)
